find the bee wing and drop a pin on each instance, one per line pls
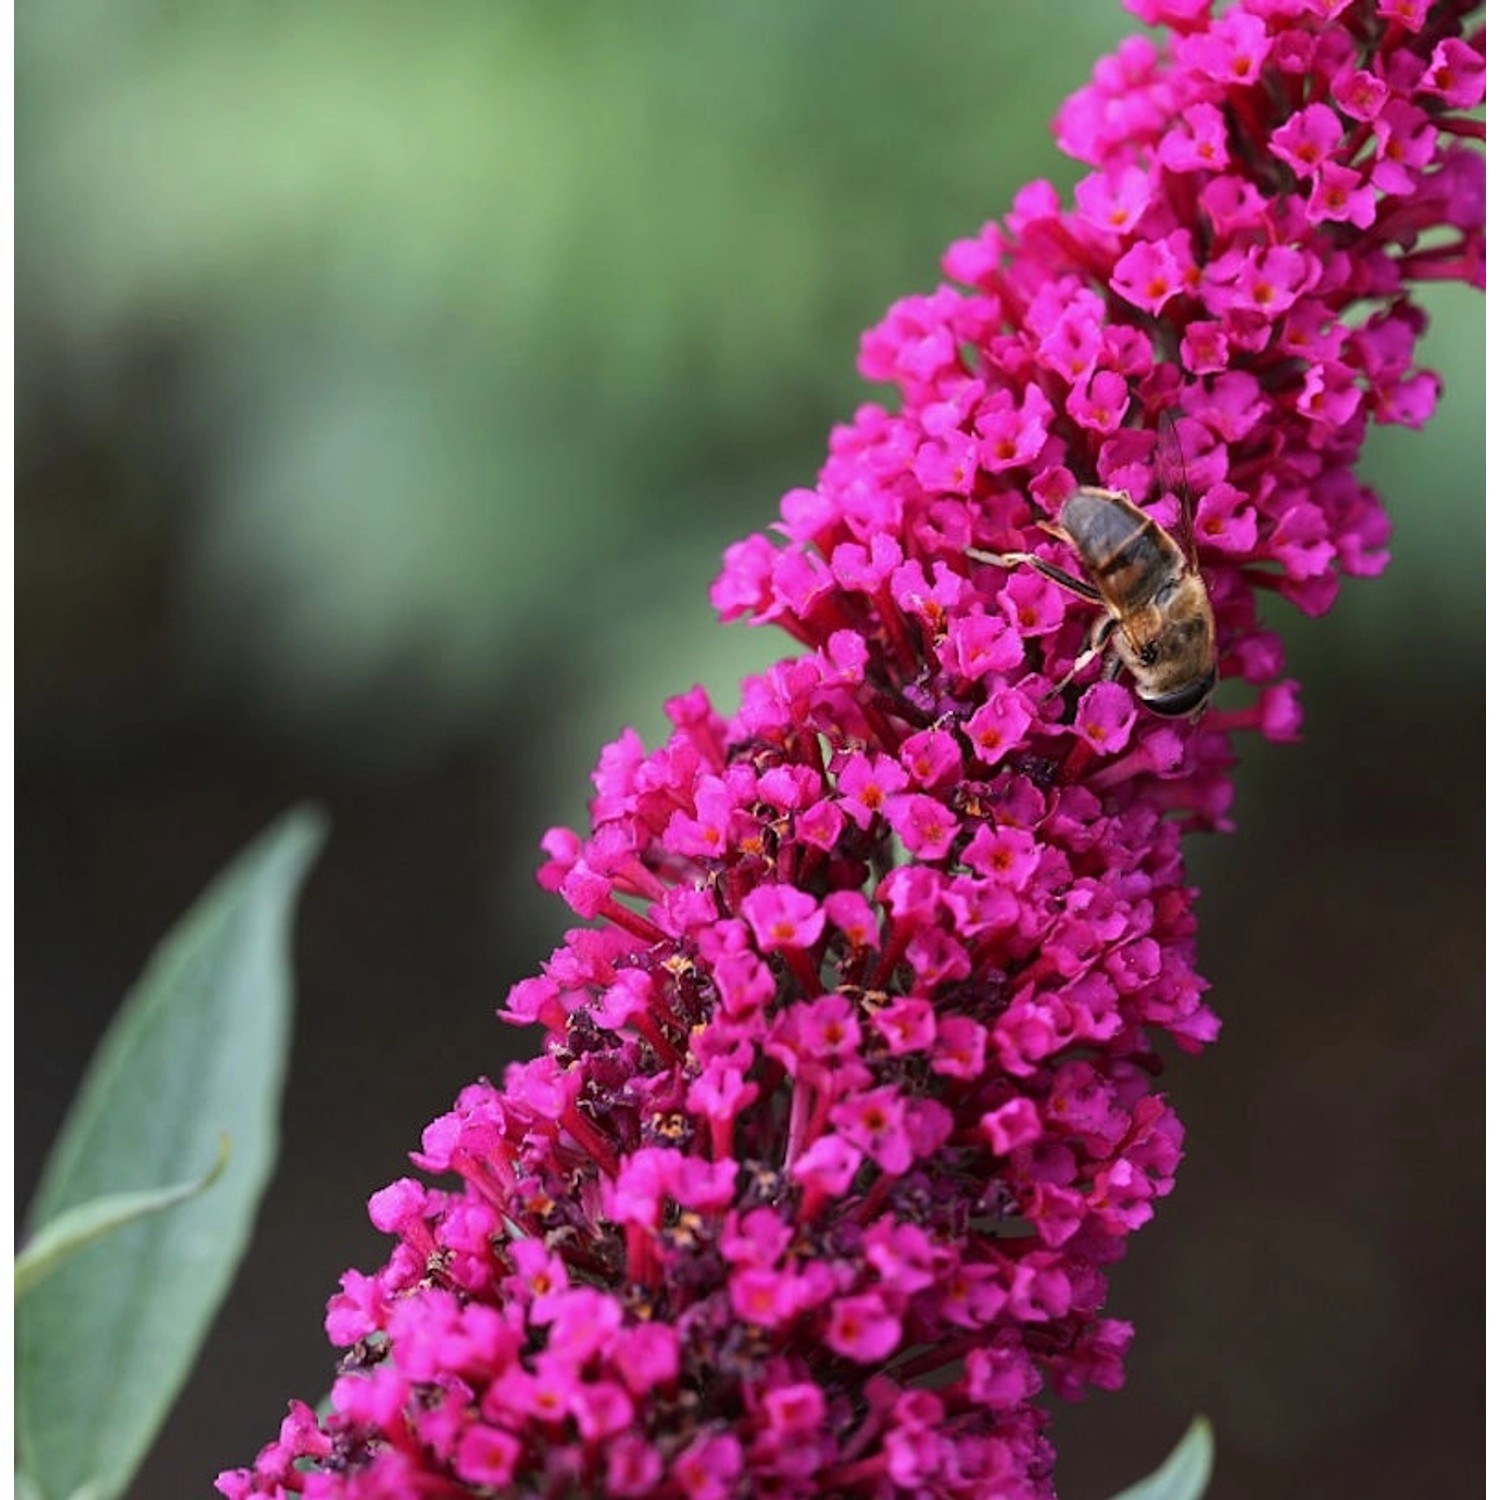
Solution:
(1172, 478)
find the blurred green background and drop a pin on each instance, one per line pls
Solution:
(390, 379)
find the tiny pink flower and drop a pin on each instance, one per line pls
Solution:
(1205, 348)
(829, 1165)
(1409, 14)
(1341, 196)
(1035, 604)
(1329, 394)
(1199, 144)
(1230, 51)
(923, 824)
(876, 1122)
(764, 1297)
(1011, 435)
(1308, 139)
(1456, 74)
(646, 1356)
(1069, 343)
(999, 725)
(1114, 201)
(1008, 855)
(1359, 94)
(1226, 520)
(860, 1328)
(866, 782)
(634, 1466)
(1106, 713)
(933, 758)
(399, 1208)
(1233, 204)
(486, 1456)
(1407, 140)
(1153, 272)
(1011, 1126)
(783, 917)
(795, 1409)
(908, 1025)
(1101, 404)
(1180, 15)
(709, 1468)
(979, 645)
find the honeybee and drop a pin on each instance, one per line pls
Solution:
(1158, 618)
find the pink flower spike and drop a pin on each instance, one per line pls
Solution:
(850, 1090)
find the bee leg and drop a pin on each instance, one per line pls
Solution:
(1075, 586)
(1098, 640)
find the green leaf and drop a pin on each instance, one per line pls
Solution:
(199, 1047)
(1185, 1474)
(75, 1229)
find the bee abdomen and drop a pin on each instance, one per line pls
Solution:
(1121, 545)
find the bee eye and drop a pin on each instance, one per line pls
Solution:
(1185, 699)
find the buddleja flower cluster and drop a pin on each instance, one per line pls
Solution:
(849, 1094)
